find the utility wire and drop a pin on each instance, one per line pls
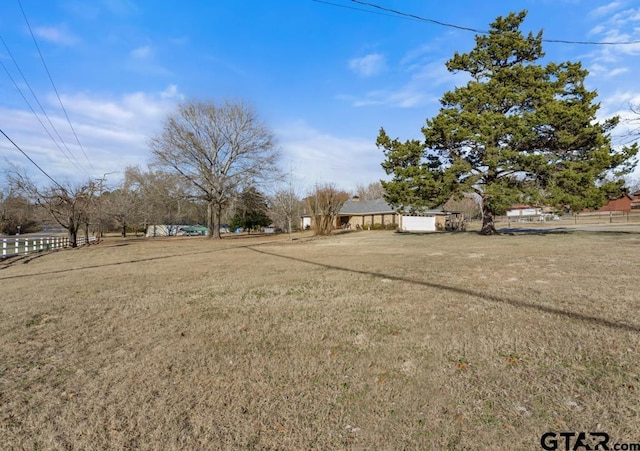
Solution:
(30, 107)
(68, 154)
(53, 84)
(338, 5)
(460, 27)
(31, 160)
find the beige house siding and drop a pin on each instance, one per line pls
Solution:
(366, 219)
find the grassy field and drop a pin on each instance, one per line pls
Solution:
(367, 340)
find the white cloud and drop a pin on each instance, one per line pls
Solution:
(142, 52)
(57, 35)
(597, 69)
(618, 71)
(426, 84)
(620, 104)
(368, 65)
(120, 7)
(320, 157)
(623, 28)
(114, 132)
(625, 17)
(142, 61)
(606, 9)
(171, 93)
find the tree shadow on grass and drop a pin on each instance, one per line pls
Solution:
(13, 260)
(623, 326)
(127, 262)
(532, 231)
(566, 231)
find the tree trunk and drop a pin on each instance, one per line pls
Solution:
(218, 220)
(214, 230)
(73, 236)
(124, 230)
(289, 226)
(210, 230)
(488, 226)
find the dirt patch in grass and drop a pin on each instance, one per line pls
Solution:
(369, 340)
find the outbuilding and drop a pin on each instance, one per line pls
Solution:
(423, 221)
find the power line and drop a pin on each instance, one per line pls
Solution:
(53, 84)
(397, 13)
(30, 159)
(68, 154)
(424, 19)
(338, 5)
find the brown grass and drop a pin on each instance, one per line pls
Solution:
(368, 340)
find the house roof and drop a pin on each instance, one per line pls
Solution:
(521, 207)
(377, 207)
(365, 207)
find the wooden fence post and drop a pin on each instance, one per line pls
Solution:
(17, 246)
(4, 247)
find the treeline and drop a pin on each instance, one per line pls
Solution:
(144, 197)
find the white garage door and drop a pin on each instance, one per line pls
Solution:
(419, 223)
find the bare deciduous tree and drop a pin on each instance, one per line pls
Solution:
(324, 204)
(156, 188)
(285, 204)
(469, 205)
(123, 205)
(17, 211)
(69, 206)
(373, 190)
(218, 149)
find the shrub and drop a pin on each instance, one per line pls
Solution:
(391, 226)
(378, 226)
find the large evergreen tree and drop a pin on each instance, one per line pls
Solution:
(251, 211)
(519, 131)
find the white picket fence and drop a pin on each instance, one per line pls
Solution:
(24, 246)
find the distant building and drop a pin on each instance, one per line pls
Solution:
(524, 212)
(623, 203)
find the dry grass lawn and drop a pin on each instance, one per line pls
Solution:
(367, 340)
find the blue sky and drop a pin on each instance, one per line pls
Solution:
(325, 78)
